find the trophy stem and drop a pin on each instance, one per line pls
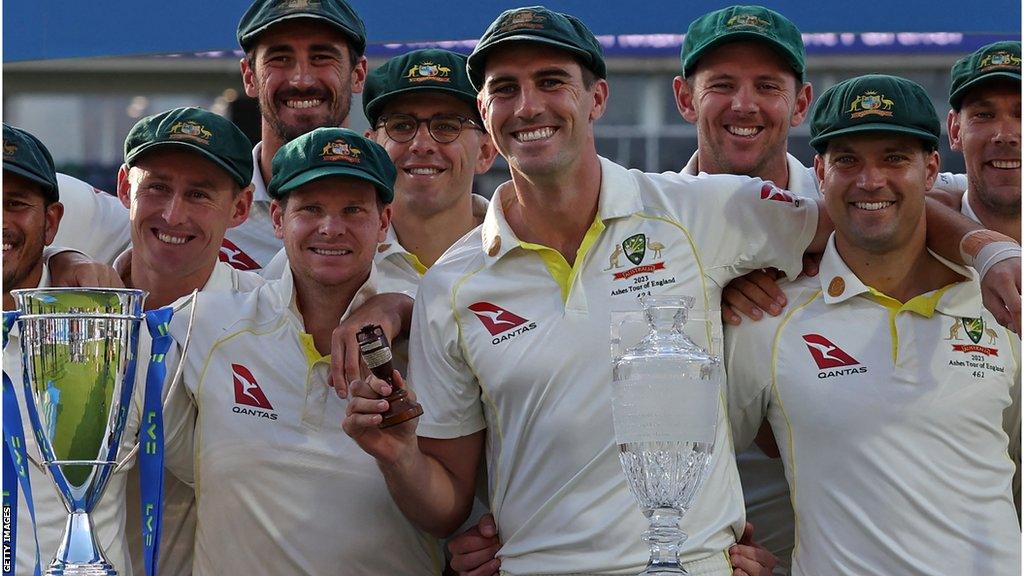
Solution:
(665, 538)
(79, 553)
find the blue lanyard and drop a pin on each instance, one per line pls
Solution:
(15, 466)
(151, 437)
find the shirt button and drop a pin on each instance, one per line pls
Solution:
(836, 287)
(494, 247)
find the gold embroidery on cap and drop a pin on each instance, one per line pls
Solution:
(189, 130)
(870, 103)
(341, 150)
(428, 71)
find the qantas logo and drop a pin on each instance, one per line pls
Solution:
(234, 256)
(501, 323)
(770, 192)
(829, 357)
(249, 393)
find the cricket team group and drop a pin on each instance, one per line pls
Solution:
(867, 308)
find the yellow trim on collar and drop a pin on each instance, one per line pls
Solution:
(922, 305)
(559, 268)
(415, 262)
(309, 349)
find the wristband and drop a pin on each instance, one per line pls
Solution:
(994, 253)
(974, 241)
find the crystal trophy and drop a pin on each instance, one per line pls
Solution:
(666, 393)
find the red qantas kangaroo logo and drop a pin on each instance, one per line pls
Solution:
(234, 256)
(495, 318)
(826, 354)
(769, 192)
(247, 391)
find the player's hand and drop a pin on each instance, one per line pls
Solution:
(363, 416)
(753, 294)
(750, 558)
(812, 261)
(70, 268)
(391, 311)
(474, 551)
(1000, 291)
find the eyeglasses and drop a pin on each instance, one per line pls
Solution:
(442, 128)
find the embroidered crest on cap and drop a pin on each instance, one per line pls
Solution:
(1000, 59)
(296, 5)
(189, 130)
(748, 20)
(428, 71)
(10, 148)
(522, 19)
(341, 150)
(870, 103)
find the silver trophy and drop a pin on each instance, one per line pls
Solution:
(666, 394)
(79, 349)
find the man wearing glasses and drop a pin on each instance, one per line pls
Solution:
(423, 112)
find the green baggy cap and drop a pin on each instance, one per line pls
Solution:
(25, 155)
(736, 23)
(332, 152)
(874, 103)
(214, 137)
(539, 25)
(998, 60)
(265, 13)
(419, 70)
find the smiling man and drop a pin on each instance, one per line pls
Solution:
(303, 61)
(280, 488)
(422, 108)
(886, 380)
(984, 124)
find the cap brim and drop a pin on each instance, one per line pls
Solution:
(248, 38)
(820, 141)
(29, 175)
(383, 191)
(375, 106)
(957, 97)
(477, 58)
(131, 158)
(791, 58)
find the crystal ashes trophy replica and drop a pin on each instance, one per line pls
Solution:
(666, 394)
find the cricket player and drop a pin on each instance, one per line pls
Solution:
(280, 488)
(32, 214)
(886, 380)
(303, 61)
(185, 182)
(984, 125)
(490, 303)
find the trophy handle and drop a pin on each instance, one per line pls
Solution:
(175, 381)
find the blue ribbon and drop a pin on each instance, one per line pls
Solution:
(15, 466)
(151, 437)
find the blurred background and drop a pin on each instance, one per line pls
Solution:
(80, 76)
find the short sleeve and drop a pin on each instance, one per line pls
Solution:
(438, 372)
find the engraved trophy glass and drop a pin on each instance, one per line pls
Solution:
(666, 394)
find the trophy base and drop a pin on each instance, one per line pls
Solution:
(400, 409)
(103, 569)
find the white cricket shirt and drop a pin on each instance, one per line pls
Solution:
(888, 418)
(507, 336)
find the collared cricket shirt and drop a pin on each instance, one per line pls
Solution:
(281, 489)
(507, 336)
(888, 417)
